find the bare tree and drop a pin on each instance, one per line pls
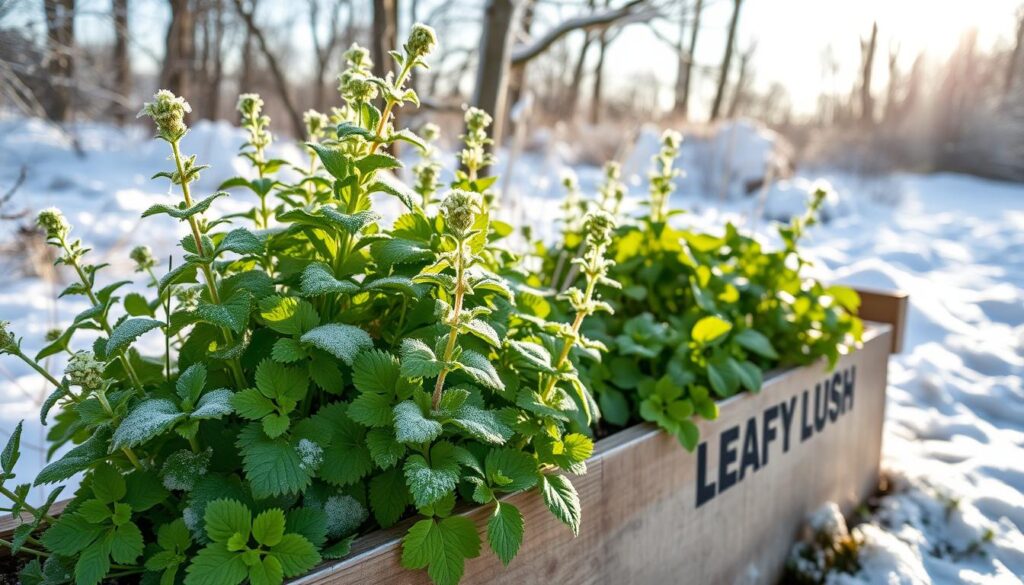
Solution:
(867, 50)
(325, 48)
(723, 73)
(248, 59)
(60, 41)
(739, 92)
(217, 62)
(682, 102)
(179, 49)
(1012, 64)
(122, 61)
(596, 98)
(892, 91)
(494, 61)
(280, 81)
(384, 35)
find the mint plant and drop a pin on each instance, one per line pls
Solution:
(320, 374)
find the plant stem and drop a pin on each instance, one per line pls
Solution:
(30, 551)
(399, 82)
(101, 395)
(571, 340)
(453, 334)
(211, 284)
(31, 509)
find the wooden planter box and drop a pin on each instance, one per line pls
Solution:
(727, 513)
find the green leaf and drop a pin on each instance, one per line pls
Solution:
(266, 571)
(93, 564)
(510, 470)
(288, 315)
(181, 212)
(505, 531)
(272, 466)
(390, 185)
(346, 129)
(339, 549)
(275, 425)
(251, 404)
(688, 435)
(347, 457)
(749, 374)
(442, 547)
(710, 329)
(318, 279)
(389, 497)
(723, 377)
(107, 484)
(336, 162)
(310, 523)
(70, 535)
(288, 351)
(127, 332)
(137, 306)
(296, 555)
(371, 409)
(11, 451)
(377, 161)
(342, 341)
(353, 223)
(216, 565)
(756, 342)
(481, 424)
(80, 458)
(418, 360)
(149, 418)
(481, 370)
(397, 251)
(126, 546)
(384, 448)
(375, 371)
(429, 482)
(190, 383)
(845, 296)
(411, 426)
(484, 331)
(268, 527)
(224, 518)
(241, 241)
(232, 313)
(562, 500)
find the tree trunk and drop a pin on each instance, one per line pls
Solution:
(216, 55)
(384, 35)
(122, 62)
(493, 62)
(740, 89)
(1011, 66)
(683, 107)
(723, 74)
(596, 98)
(179, 49)
(298, 126)
(867, 103)
(60, 41)
(517, 79)
(245, 77)
(577, 76)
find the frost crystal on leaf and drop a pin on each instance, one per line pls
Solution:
(341, 341)
(411, 426)
(147, 420)
(183, 468)
(310, 454)
(344, 515)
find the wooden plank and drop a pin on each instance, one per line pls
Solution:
(886, 307)
(641, 519)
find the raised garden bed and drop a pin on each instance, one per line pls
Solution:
(654, 513)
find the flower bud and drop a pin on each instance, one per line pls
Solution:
(143, 257)
(168, 112)
(612, 170)
(53, 223)
(671, 139)
(477, 120)
(430, 132)
(358, 58)
(316, 124)
(6, 337)
(53, 335)
(422, 40)
(597, 227)
(356, 87)
(85, 370)
(250, 105)
(569, 181)
(459, 209)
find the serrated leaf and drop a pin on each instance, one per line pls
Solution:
(288, 351)
(77, 459)
(127, 332)
(371, 409)
(387, 183)
(348, 458)
(216, 565)
(11, 451)
(484, 331)
(441, 547)
(481, 370)
(562, 500)
(268, 527)
(389, 497)
(296, 555)
(481, 424)
(384, 448)
(288, 315)
(181, 212)
(318, 279)
(241, 241)
(272, 466)
(505, 531)
(148, 419)
(430, 481)
(342, 341)
(70, 535)
(397, 251)
(126, 544)
(411, 426)
(418, 360)
(232, 313)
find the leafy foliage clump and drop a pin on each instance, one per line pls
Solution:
(323, 375)
(697, 316)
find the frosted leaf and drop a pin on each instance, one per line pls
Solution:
(402, 284)
(484, 331)
(317, 279)
(344, 515)
(418, 360)
(194, 523)
(481, 424)
(341, 341)
(411, 426)
(480, 369)
(183, 468)
(214, 404)
(148, 419)
(128, 331)
(311, 455)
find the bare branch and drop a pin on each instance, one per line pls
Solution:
(632, 11)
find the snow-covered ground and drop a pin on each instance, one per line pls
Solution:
(954, 438)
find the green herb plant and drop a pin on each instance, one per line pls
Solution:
(320, 375)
